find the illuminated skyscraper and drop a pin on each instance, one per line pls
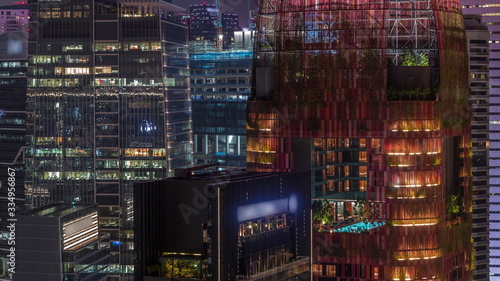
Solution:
(13, 69)
(13, 72)
(220, 86)
(108, 105)
(488, 10)
(373, 97)
(477, 40)
(14, 18)
(202, 18)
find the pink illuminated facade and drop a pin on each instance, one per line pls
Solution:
(372, 96)
(14, 18)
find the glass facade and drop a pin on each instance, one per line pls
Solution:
(61, 242)
(90, 261)
(108, 104)
(13, 72)
(202, 19)
(220, 86)
(373, 97)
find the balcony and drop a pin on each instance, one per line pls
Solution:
(410, 83)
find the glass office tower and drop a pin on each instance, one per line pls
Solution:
(220, 86)
(13, 72)
(108, 105)
(373, 97)
(202, 19)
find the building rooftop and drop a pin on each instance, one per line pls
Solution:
(55, 210)
(16, 7)
(473, 22)
(232, 175)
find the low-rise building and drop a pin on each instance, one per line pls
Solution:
(224, 226)
(60, 242)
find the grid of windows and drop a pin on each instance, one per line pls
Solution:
(220, 86)
(490, 67)
(106, 108)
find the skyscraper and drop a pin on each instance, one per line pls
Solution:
(477, 39)
(373, 98)
(108, 105)
(220, 86)
(13, 69)
(14, 18)
(202, 19)
(489, 17)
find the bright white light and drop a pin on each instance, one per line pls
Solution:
(14, 47)
(293, 203)
(147, 126)
(263, 209)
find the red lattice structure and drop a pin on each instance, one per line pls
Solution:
(372, 95)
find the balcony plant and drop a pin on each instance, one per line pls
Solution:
(322, 211)
(414, 58)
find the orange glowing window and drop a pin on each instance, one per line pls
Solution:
(318, 143)
(330, 143)
(331, 270)
(362, 156)
(362, 185)
(331, 185)
(363, 171)
(346, 143)
(362, 142)
(318, 269)
(330, 156)
(330, 171)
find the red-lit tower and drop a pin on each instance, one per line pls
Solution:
(372, 96)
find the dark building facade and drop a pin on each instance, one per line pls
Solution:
(224, 226)
(108, 104)
(60, 242)
(13, 77)
(202, 18)
(230, 24)
(373, 97)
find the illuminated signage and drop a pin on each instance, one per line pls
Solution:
(268, 208)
